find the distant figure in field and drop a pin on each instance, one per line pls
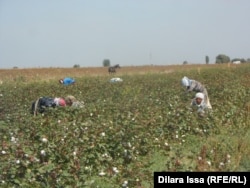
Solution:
(112, 69)
(199, 104)
(67, 81)
(193, 85)
(116, 80)
(40, 105)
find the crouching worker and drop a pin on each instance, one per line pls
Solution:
(200, 104)
(67, 81)
(42, 103)
(194, 85)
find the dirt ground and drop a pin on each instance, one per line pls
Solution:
(57, 73)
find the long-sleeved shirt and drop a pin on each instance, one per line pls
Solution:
(196, 86)
(201, 108)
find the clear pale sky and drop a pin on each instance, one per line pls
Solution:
(62, 33)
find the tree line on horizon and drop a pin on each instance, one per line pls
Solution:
(221, 58)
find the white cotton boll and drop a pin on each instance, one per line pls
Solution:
(103, 134)
(101, 173)
(17, 161)
(221, 164)
(3, 152)
(129, 144)
(115, 169)
(125, 183)
(13, 139)
(44, 140)
(43, 152)
(105, 155)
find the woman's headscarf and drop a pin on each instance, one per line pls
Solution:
(199, 95)
(185, 81)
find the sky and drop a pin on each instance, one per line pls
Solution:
(64, 33)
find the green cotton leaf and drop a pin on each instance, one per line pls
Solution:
(41, 170)
(66, 174)
(17, 181)
(46, 168)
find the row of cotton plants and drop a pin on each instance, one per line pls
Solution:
(125, 132)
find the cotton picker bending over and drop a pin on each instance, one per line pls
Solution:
(42, 103)
(193, 85)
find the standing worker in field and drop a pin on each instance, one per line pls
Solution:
(67, 81)
(193, 85)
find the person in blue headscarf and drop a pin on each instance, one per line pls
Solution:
(67, 81)
(193, 85)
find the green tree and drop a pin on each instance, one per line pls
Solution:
(76, 66)
(106, 62)
(221, 58)
(242, 60)
(207, 60)
(185, 62)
